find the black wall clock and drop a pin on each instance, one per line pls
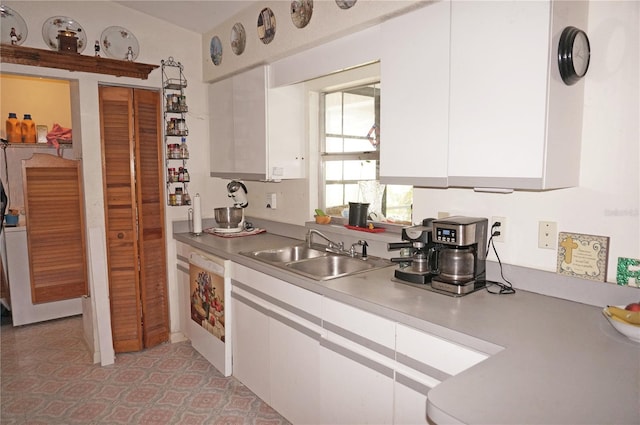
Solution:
(574, 53)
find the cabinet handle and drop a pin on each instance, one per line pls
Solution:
(120, 235)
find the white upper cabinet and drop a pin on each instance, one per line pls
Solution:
(415, 97)
(257, 133)
(513, 123)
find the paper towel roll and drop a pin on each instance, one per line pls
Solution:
(197, 215)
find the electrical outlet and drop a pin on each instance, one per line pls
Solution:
(547, 234)
(502, 228)
(271, 201)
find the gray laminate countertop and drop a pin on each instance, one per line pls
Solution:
(552, 361)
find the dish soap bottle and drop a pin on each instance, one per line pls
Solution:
(28, 129)
(14, 133)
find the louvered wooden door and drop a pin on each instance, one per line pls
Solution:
(55, 228)
(134, 212)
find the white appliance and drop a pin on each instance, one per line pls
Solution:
(209, 327)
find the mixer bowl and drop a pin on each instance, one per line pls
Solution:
(228, 217)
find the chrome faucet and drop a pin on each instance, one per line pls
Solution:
(364, 244)
(331, 246)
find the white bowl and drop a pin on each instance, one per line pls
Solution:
(630, 331)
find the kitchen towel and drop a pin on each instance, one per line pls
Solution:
(197, 215)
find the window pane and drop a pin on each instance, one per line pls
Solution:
(334, 144)
(334, 195)
(399, 203)
(359, 114)
(360, 170)
(333, 113)
(333, 170)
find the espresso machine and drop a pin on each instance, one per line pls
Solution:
(420, 261)
(462, 246)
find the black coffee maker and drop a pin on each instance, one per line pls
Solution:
(422, 256)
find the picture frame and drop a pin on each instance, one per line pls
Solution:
(583, 256)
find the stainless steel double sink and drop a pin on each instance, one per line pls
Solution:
(315, 263)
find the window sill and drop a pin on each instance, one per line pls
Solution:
(392, 232)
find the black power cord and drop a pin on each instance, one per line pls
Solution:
(507, 287)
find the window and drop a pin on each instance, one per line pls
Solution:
(350, 156)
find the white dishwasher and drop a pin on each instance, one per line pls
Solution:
(210, 326)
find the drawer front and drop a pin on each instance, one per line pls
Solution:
(352, 322)
(433, 355)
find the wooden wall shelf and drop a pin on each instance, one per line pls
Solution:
(74, 62)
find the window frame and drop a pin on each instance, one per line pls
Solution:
(373, 155)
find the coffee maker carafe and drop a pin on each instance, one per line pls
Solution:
(461, 267)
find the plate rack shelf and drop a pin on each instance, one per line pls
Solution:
(74, 62)
(175, 132)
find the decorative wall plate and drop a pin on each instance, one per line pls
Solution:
(62, 23)
(238, 38)
(301, 11)
(13, 29)
(346, 4)
(266, 25)
(116, 42)
(215, 50)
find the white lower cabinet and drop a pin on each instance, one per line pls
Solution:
(276, 350)
(319, 361)
(356, 366)
(294, 372)
(423, 361)
(251, 346)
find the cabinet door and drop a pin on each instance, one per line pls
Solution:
(251, 345)
(222, 150)
(279, 356)
(415, 97)
(356, 366)
(238, 125)
(294, 377)
(287, 132)
(499, 70)
(250, 121)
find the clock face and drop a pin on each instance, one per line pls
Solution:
(573, 55)
(580, 54)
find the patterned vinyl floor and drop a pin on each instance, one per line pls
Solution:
(47, 378)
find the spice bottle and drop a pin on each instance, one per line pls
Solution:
(184, 151)
(14, 131)
(28, 129)
(186, 198)
(178, 196)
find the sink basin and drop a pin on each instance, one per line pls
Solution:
(333, 266)
(286, 254)
(314, 263)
